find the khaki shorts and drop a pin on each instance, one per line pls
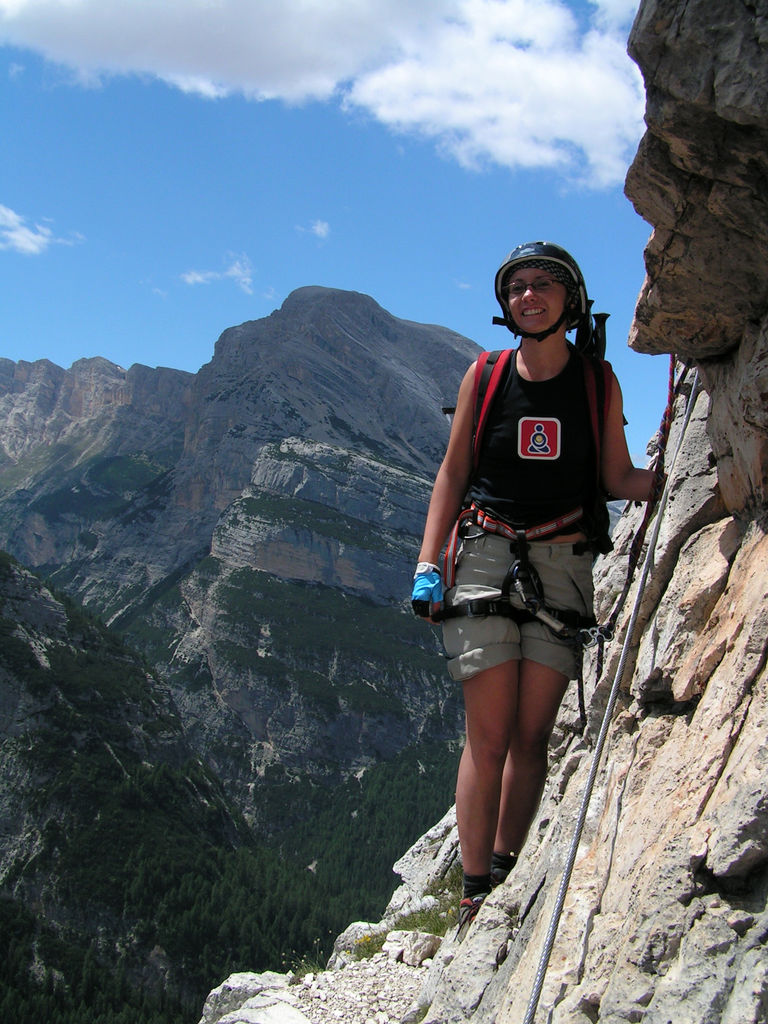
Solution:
(476, 643)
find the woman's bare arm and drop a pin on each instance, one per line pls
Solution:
(619, 476)
(453, 477)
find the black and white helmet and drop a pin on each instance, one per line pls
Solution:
(563, 268)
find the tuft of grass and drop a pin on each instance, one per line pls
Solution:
(437, 919)
(368, 946)
(312, 962)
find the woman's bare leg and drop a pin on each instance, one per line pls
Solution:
(539, 694)
(490, 701)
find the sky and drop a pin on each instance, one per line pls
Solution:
(171, 169)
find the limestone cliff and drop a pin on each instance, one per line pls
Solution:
(700, 179)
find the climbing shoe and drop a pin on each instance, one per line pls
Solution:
(468, 909)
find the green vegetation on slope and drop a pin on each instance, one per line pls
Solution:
(144, 888)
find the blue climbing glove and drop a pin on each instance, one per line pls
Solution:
(427, 589)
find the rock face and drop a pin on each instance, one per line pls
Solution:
(699, 178)
(665, 917)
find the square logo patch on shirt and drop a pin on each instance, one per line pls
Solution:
(538, 437)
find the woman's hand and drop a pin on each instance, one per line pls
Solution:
(427, 590)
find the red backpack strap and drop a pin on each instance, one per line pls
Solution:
(489, 371)
(598, 380)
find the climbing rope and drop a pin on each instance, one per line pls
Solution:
(614, 692)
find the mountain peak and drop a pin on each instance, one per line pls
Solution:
(314, 293)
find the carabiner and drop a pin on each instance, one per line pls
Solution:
(594, 635)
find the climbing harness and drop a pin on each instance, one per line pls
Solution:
(521, 579)
(660, 505)
(522, 582)
(491, 523)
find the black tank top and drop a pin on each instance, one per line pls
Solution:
(537, 460)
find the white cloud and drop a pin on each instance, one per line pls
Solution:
(615, 13)
(30, 240)
(239, 271)
(498, 85)
(319, 228)
(193, 277)
(295, 50)
(504, 81)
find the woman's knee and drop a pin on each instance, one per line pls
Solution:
(531, 745)
(488, 750)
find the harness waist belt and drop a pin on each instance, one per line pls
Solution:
(502, 606)
(491, 524)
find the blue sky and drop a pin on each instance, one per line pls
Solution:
(169, 170)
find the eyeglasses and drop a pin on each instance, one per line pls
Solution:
(517, 288)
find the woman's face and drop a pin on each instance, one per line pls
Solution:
(536, 300)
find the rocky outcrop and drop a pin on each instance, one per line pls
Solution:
(80, 446)
(699, 179)
(288, 522)
(69, 417)
(329, 366)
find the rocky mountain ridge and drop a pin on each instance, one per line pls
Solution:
(249, 527)
(329, 367)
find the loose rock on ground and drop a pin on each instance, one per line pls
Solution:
(380, 990)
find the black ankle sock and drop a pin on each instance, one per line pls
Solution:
(476, 885)
(503, 862)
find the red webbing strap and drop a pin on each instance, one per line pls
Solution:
(484, 392)
(598, 411)
(491, 524)
(449, 558)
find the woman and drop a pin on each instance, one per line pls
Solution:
(536, 465)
